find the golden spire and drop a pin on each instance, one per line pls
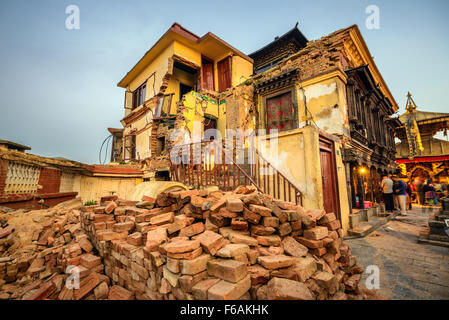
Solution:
(410, 106)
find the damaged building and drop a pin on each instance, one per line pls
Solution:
(326, 99)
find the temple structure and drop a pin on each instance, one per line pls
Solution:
(420, 154)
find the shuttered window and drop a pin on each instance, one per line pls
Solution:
(281, 112)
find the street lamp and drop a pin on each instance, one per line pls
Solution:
(362, 196)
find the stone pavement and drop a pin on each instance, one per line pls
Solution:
(408, 270)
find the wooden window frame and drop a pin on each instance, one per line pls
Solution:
(132, 149)
(160, 104)
(292, 91)
(136, 95)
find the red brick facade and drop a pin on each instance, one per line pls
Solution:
(50, 180)
(3, 172)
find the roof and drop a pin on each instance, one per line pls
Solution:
(13, 145)
(432, 148)
(320, 56)
(294, 33)
(428, 117)
(177, 31)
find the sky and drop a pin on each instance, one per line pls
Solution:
(58, 87)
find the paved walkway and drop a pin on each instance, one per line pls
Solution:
(408, 270)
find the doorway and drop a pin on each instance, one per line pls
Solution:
(183, 89)
(329, 177)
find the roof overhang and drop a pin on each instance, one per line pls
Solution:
(207, 44)
(357, 38)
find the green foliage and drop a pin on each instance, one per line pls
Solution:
(90, 203)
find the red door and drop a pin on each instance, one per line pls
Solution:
(224, 74)
(329, 177)
(207, 74)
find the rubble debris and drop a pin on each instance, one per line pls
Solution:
(182, 245)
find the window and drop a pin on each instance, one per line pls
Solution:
(224, 74)
(164, 106)
(281, 112)
(139, 95)
(130, 146)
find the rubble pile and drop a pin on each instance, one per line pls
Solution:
(194, 244)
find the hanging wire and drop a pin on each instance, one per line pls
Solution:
(101, 149)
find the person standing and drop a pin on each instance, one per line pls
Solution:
(420, 192)
(399, 191)
(431, 196)
(387, 191)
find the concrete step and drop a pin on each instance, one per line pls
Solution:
(365, 228)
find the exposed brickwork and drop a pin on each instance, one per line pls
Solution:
(49, 179)
(3, 172)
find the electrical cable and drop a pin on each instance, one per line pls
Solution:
(101, 148)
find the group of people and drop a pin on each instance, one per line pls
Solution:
(429, 193)
(399, 195)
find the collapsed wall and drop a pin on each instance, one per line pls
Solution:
(194, 244)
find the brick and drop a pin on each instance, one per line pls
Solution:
(135, 239)
(227, 214)
(225, 290)
(334, 225)
(234, 205)
(328, 217)
(110, 207)
(275, 261)
(293, 247)
(43, 292)
(326, 280)
(186, 255)
(229, 270)
(171, 277)
(200, 289)
(258, 274)
(163, 219)
(173, 265)
(260, 210)
(101, 292)
(102, 218)
(260, 230)
(86, 285)
(319, 251)
(194, 266)
(155, 238)
(211, 241)
(192, 230)
(123, 227)
(119, 293)
(219, 204)
(285, 289)
(186, 282)
(316, 233)
(89, 261)
(304, 268)
(242, 239)
(181, 246)
(285, 229)
(239, 224)
(251, 216)
(312, 244)
(232, 250)
(272, 240)
(270, 222)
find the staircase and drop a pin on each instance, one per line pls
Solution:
(213, 166)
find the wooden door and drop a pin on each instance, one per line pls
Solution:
(207, 74)
(329, 177)
(224, 74)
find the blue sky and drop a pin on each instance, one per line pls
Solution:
(59, 87)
